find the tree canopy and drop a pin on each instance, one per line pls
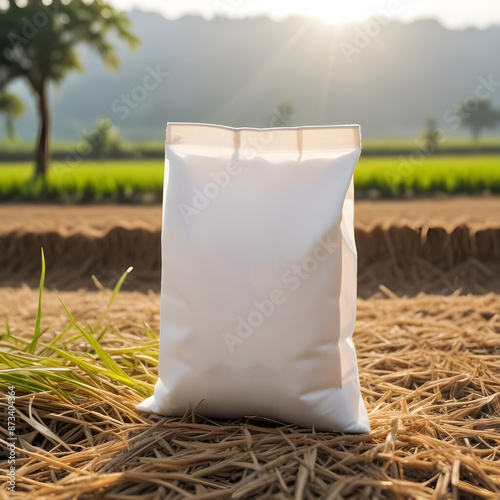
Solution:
(38, 41)
(478, 115)
(12, 107)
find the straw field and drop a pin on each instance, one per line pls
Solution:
(429, 367)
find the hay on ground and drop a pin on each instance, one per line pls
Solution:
(430, 372)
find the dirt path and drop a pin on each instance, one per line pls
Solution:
(484, 212)
(432, 246)
(71, 218)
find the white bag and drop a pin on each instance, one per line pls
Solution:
(259, 276)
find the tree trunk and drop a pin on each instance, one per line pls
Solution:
(43, 147)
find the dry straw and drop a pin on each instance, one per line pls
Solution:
(429, 366)
(406, 258)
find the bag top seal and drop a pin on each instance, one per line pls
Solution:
(306, 138)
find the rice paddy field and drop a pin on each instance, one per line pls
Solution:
(139, 181)
(81, 351)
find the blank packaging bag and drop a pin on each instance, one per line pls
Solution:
(258, 297)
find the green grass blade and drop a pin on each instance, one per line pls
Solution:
(111, 365)
(92, 370)
(115, 293)
(149, 333)
(36, 334)
(56, 339)
(101, 335)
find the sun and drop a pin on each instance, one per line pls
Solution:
(338, 12)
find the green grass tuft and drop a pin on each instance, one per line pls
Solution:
(64, 369)
(36, 334)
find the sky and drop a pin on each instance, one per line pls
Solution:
(454, 14)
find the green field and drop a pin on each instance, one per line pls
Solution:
(141, 181)
(93, 181)
(400, 176)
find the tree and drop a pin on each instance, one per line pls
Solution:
(282, 115)
(13, 108)
(432, 135)
(38, 43)
(478, 114)
(104, 140)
